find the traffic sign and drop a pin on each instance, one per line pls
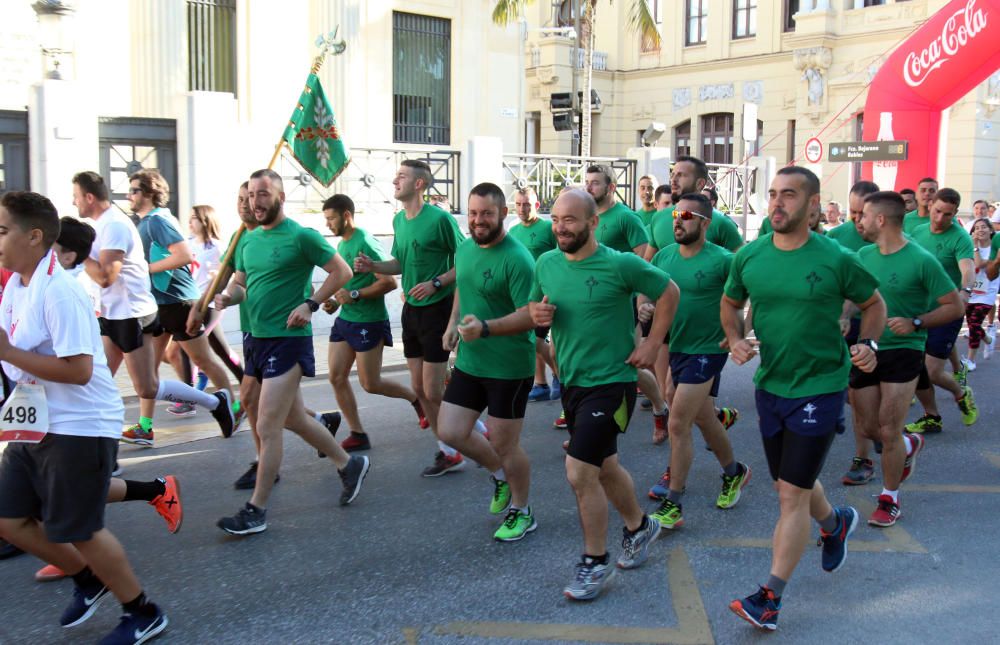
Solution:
(868, 151)
(814, 150)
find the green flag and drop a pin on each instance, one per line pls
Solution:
(313, 137)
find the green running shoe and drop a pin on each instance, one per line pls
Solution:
(732, 487)
(962, 375)
(927, 424)
(967, 406)
(669, 515)
(501, 496)
(516, 525)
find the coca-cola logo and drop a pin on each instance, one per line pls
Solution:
(961, 27)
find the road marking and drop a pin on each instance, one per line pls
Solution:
(411, 635)
(135, 461)
(953, 488)
(692, 629)
(993, 457)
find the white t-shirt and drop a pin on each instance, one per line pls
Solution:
(984, 292)
(206, 262)
(66, 327)
(89, 287)
(130, 296)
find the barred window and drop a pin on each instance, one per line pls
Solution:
(211, 26)
(421, 79)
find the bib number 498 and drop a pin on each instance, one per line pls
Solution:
(20, 414)
(25, 415)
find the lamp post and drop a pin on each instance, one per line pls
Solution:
(54, 17)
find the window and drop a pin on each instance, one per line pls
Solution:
(682, 139)
(790, 147)
(744, 18)
(791, 8)
(717, 137)
(757, 146)
(211, 26)
(859, 129)
(646, 44)
(567, 15)
(874, 3)
(421, 79)
(696, 24)
(654, 9)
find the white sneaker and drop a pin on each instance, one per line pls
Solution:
(988, 343)
(970, 365)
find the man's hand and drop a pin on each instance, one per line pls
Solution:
(644, 356)
(195, 320)
(299, 317)
(542, 312)
(470, 328)
(901, 326)
(343, 297)
(742, 351)
(845, 326)
(363, 264)
(863, 358)
(964, 295)
(331, 306)
(450, 339)
(222, 301)
(646, 312)
(423, 290)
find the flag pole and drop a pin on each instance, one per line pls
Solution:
(328, 44)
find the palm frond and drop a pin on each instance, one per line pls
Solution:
(640, 19)
(507, 11)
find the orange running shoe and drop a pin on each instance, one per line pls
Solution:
(49, 573)
(168, 505)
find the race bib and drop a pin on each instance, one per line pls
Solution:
(24, 417)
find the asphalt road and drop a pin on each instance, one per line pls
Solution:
(413, 560)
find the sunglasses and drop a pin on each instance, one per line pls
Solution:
(134, 191)
(687, 215)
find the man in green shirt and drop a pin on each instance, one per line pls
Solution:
(647, 198)
(798, 283)
(699, 268)
(491, 329)
(536, 234)
(362, 330)
(583, 291)
(953, 248)
(273, 280)
(918, 296)
(926, 190)
(423, 251)
(849, 237)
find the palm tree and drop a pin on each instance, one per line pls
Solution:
(639, 20)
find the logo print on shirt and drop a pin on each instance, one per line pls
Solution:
(699, 276)
(809, 409)
(894, 279)
(532, 236)
(275, 255)
(487, 276)
(812, 279)
(591, 283)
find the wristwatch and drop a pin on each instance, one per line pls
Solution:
(967, 290)
(871, 344)
(436, 282)
(313, 305)
(917, 323)
(486, 330)
(355, 295)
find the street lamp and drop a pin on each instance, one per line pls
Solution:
(54, 18)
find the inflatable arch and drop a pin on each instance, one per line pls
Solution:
(953, 52)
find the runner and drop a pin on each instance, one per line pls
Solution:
(647, 198)
(984, 293)
(833, 215)
(918, 295)
(536, 235)
(274, 281)
(53, 488)
(663, 197)
(423, 251)
(361, 330)
(490, 328)
(699, 269)
(129, 319)
(800, 385)
(583, 291)
(924, 196)
(952, 247)
(849, 237)
(909, 198)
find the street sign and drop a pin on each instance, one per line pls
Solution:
(749, 121)
(868, 151)
(814, 150)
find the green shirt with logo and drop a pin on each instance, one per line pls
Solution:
(537, 237)
(593, 326)
(797, 300)
(847, 234)
(425, 247)
(367, 309)
(646, 216)
(949, 247)
(620, 229)
(722, 231)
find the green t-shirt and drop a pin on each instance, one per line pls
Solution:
(537, 237)
(848, 236)
(994, 247)
(493, 283)
(425, 247)
(910, 280)
(620, 229)
(244, 316)
(912, 220)
(593, 326)
(697, 328)
(279, 264)
(722, 231)
(646, 216)
(948, 247)
(797, 300)
(367, 309)
(765, 227)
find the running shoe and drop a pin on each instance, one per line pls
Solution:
(223, 413)
(356, 441)
(202, 381)
(84, 603)
(182, 410)
(962, 375)
(732, 487)
(516, 525)
(635, 545)
(560, 423)
(988, 343)
(662, 487)
(886, 513)
(646, 404)
(248, 480)
(49, 573)
(421, 417)
(248, 520)
(927, 424)
(835, 543)
(556, 392)
(443, 464)
(669, 514)
(137, 436)
(861, 472)
(660, 432)
(117, 470)
(134, 629)
(728, 417)
(239, 416)
(331, 420)
(968, 365)
(8, 550)
(353, 476)
(910, 465)
(967, 406)
(539, 392)
(168, 505)
(759, 609)
(589, 581)
(501, 496)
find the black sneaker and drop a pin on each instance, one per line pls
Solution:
(248, 480)
(223, 413)
(134, 629)
(84, 604)
(353, 475)
(835, 543)
(247, 520)
(8, 550)
(332, 422)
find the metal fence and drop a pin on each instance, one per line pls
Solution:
(730, 182)
(548, 175)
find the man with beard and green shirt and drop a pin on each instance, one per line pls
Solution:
(583, 291)
(699, 268)
(490, 327)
